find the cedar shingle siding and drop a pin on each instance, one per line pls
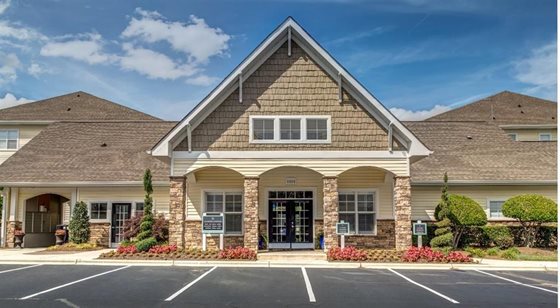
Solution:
(285, 85)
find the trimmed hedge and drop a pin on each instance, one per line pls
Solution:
(481, 236)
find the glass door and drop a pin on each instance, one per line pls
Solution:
(121, 212)
(290, 224)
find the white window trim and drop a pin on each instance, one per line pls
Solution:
(514, 135)
(109, 212)
(487, 210)
(133, 214)
(303, 127)
(224, 191)
(356, 212)
(545, 134)
(17, 140)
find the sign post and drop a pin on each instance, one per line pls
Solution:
(419, 228)
(342, 229)
(212, 224)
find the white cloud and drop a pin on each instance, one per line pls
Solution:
(86, 47)
(539, 71)
(154, 64)
(202, 80)
(10, 100)
(9, 64)
(360, 35)
(195, 39)
(35, 70)
(4, 5)
(19, 32)
(410, 115)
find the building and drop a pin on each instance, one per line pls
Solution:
(285, 147)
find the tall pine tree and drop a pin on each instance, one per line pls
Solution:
(79, 224)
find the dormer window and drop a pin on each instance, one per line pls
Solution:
(9, 139)
(290, 129)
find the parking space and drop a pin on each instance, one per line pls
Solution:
(142, 286)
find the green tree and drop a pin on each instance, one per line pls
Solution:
(531, 211)
(463, 213)
(145, 237)
(79, 224)
(443, 236)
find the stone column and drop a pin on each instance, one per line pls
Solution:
(177, 208)
(10, 233)
(251, 213)
(403, 212)
(330, 211)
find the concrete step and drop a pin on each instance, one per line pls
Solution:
(292, 255)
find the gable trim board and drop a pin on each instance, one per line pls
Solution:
(268, 47)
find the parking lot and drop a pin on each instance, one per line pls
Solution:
(144, 286)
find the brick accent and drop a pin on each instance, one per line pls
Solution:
(385, 237)
(403, 226)
(99, 233)
(251, 213)
(177, 197)
(330, 211)
(193, 237)
(11, 228)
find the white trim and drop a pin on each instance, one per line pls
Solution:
(545, 134)
(356, 212)
(4, 218)
(204, 191)
(109, 212)
(513, 136)
(260, 54)
(488, 213)
(81, 184)
(528, 126)
(8, 130)
(487, 182)
(276, 128)
(288, 154)
(19, 122)
(14, 198)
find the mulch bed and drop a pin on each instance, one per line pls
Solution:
(191, 256)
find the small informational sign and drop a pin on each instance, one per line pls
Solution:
(213, 223)
(342, 228)
(419, 228)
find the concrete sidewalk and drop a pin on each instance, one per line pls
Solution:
(37, 255)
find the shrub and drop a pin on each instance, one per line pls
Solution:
(131, 227)
(127, 249)
(511, 253)
(79, 224)
(145, 244)
(464, 212)
(443, 233)
(531, 211)
(499, 236)
(163, 249)
(238, 253)
(493, 251)
(348, 253)
(426, 254)
(445, 240)
(457, 257)
(475, 252)
(160, 229)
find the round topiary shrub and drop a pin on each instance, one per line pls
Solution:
(531, 210)
(464, 212)
(500, 236)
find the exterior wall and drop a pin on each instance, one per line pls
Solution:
(531, 134)
(193, 238)
(288, 86)
(26, 133)
(385, 237)
(126, 194)
(425, 198)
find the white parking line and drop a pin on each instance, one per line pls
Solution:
(19, 268)
(308, 285)
(74, 282)
(424, 287)
(183, 289)
(516, 282)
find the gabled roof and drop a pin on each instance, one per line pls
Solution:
(77, 106)
(290, 29)
(68, 153)
(504, 108)
(480, 152)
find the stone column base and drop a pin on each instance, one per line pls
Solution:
(10, 231)
(251, 214)
(330, 211)
(99, 234)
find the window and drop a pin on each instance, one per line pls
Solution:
(8, 139)
(231, 205)
(139, 208)
(359, 210)
(98, 210)
(290, 129)
(513, 136)
(263, 129)
(495, 207)
(317, 129)
(545, 137)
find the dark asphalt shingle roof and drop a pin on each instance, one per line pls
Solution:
(74, 151)
(504, 108)
(489, 154)
(77, 106)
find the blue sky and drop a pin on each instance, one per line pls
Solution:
(418, 57)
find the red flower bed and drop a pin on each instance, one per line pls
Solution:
(127, 249)
(426, 254)
(237, 253)
(163, 249)
(349, 253)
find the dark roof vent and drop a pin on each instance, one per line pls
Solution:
(68, 109)
(103, 145)
(522, 111)
(553, 118)
(78, 95)
(493, 118)
(469, 137)
(519, 105)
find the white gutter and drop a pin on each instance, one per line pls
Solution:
(81, 184)
(487, 182)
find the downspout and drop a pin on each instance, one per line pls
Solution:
(4, 211)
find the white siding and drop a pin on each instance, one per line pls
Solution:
(367, 178)
(531, 134)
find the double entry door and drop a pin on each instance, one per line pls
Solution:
(290, 224)
(120, 213)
